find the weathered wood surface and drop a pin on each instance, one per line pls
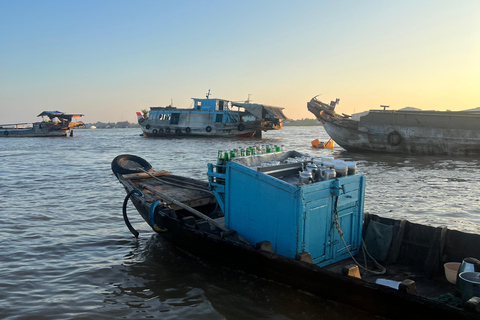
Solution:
(143, 175)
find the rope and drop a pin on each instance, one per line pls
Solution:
(364, 248)
(124, 210)
(187, 185)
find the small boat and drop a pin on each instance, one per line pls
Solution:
(402, 131)
(323, 145)
(54, 124)
(212, 117)
(311, 235)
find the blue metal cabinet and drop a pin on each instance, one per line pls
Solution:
(294, 218)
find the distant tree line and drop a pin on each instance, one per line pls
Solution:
(127, 124)
(112, 125)
(302, 122)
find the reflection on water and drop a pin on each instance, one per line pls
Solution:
(66, 252)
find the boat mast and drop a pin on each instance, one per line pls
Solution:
(208, 93)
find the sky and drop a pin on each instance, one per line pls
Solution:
(107, 59)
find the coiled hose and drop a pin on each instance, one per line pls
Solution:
(125, 218)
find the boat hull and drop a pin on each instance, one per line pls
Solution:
(372, 298)
(422, 247)
(32, 132)
(432, 133)
(159, 131)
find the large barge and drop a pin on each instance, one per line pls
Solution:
(402, 131)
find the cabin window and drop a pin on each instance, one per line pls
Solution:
(199, 105)
(175, 118)
(164, 117)
(218, 117)
(220, 105)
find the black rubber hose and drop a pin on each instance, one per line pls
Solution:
(125, 218)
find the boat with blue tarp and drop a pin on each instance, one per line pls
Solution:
(300, 221)
(53, 124)
(212, 117)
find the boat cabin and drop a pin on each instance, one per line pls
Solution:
(220, 111)
(211, 104)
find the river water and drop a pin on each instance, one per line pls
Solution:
(66, 253)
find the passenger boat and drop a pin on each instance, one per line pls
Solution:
(311, 235)
(54, 124)
(402, 131)
(212, 117)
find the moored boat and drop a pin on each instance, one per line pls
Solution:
(212, 117)
(54, 124)
(268, 221)
(402, 131)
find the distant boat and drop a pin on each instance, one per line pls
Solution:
(402, 131)
(212, 117)
(54, 124)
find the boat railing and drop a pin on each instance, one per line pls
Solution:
(216, 182)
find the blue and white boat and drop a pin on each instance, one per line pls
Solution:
(212, 117)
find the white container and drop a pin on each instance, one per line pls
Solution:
(317, 161)
(327, 158)
(329, 174)
(451, 270)
(352, 167)
(341, 169)
(328, 164)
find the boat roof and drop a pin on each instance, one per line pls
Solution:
(58, 114)
(256, 109)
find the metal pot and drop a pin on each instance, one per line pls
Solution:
(470, 286)
(305, 177)
(469, 265)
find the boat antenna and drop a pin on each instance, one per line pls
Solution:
(208, 93)
(248, 99)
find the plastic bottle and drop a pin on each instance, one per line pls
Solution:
(220, 166)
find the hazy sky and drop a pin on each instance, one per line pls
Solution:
(109, 59)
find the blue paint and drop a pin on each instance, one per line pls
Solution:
(151, 213)
(293, 218)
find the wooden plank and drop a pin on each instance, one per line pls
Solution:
(143, 175)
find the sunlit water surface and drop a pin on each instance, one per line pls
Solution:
(66, 252)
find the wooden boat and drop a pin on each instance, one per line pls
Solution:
(410, 132)
(197, 216)
(212, 117)
(54, 124)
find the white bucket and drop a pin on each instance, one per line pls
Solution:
(326, 158)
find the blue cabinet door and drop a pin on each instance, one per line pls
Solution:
(316, 225)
